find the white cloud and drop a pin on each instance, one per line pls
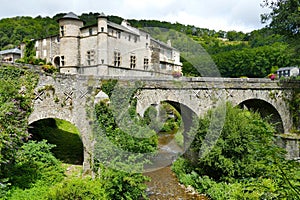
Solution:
(240, 15)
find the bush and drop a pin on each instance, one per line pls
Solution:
(34, 162)
(123, 185)
(49, 68)
(78, 188)
(244, 149)
(244, 164)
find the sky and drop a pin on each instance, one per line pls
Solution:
(226, 15)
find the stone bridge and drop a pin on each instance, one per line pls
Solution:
(72, 97)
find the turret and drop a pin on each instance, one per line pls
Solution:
(103, 43)
(102, 23)
(69, 26)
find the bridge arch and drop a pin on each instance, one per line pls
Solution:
(187, 112)
(62, 133)
(266, 109)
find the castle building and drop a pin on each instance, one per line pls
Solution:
(107, 48)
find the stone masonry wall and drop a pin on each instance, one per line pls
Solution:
(71, 97)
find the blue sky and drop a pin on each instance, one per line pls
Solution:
(239, 15)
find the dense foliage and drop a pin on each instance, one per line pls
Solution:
(16, 89)
(284, 18)
(122, 139)
(253, 62)
(245, 163)
(15, 30)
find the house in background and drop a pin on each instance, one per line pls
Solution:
(10, 55)
(287, 72)
(106, 48)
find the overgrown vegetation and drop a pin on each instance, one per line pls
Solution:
(122, 140)
(294, 102)
(16, 89)
(245, 163)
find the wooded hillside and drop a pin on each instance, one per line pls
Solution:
(254, 54)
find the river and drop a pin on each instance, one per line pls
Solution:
(164, 185)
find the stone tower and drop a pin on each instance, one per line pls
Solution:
(69, 26)
(102, 40)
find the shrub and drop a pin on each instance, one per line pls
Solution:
(123, 185)
(244, 164)
(49, 68)
(34, 162)
(244, 149)
(78, 188)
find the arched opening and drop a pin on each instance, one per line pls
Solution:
(56, 61)
(266, 110)
(172, 121)
(69, 147)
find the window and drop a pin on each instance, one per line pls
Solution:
(37, 54)
(45, 53)
(147, 45)
(62, 60)
(102, 29)
(90, 57)
(147, 37)
(146, 63)
(90, 31)
(117, 59)
(36, 43)
(163, 66)
(44, 42)
(132, 61)
(135, 38)
(119, 34)
(129, 37)
(62, 31)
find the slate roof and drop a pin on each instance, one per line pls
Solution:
(286, 68)
(70, 15)
(10, 51)
(120, 27)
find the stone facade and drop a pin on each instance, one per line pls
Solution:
(107, 49)
(10, 55)
(72, 97)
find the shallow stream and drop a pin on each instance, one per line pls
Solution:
(164, 185)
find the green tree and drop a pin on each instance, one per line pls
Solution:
(284, 19)
(243, 148)
(284, 16)
(245, 162)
